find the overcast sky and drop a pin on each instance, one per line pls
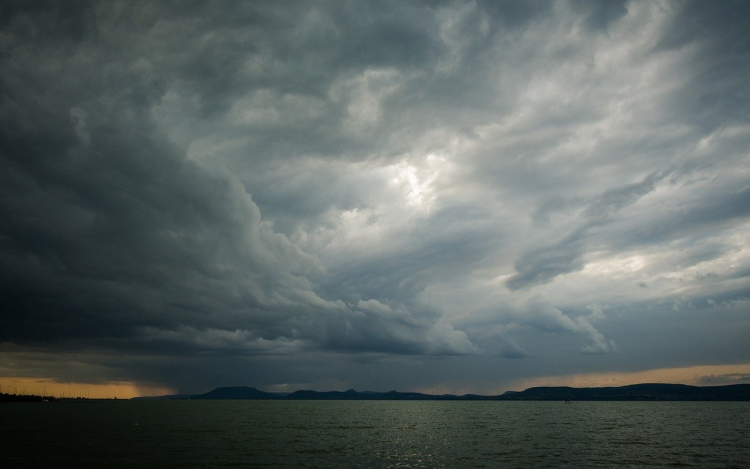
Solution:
(437, 196)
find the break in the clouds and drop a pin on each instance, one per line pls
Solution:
(418, 195)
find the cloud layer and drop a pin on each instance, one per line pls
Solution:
(420, 192)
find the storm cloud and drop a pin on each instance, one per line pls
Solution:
(411, 193)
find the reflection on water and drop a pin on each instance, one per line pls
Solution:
(376, 433)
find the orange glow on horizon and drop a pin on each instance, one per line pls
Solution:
(49, 387)
(701, 375)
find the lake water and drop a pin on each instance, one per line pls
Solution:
(402, 434)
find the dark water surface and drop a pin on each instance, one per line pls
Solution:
(374, 434)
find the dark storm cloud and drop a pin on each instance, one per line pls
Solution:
(599, 15)
(109, 231)
(278, 191)
(729, 378)
(542, 265)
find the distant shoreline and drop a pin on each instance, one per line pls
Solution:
(6, 397)
(635, 392)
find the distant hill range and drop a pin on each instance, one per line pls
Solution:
(635, 392)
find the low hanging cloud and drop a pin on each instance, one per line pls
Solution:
(543, 316)
(724, 379)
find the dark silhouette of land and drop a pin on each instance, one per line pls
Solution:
(12, 397)
(635, 392)
(22, 398)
